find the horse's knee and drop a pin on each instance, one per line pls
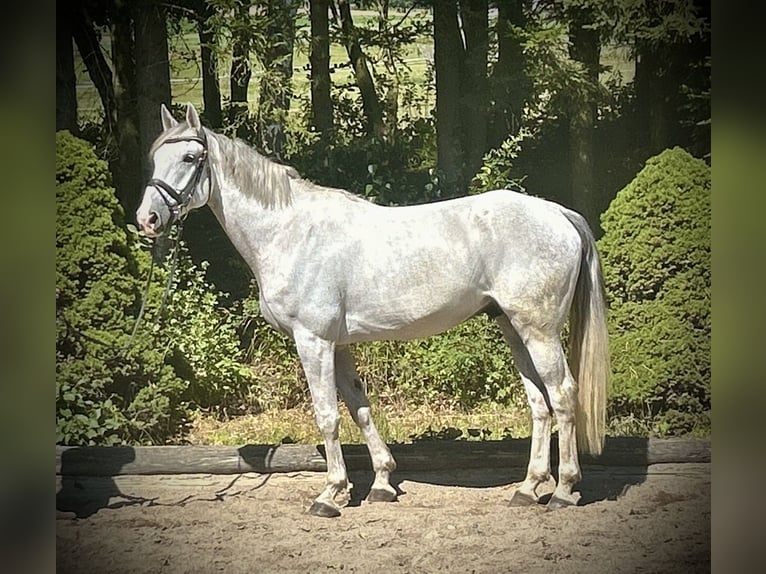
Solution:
(328, 423)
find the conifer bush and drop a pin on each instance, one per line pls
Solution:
(656, 258)
(111, 389)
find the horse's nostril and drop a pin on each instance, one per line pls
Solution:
(153, 217)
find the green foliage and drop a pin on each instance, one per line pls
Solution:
(112, 389)
(468, 366)
(278, 381)
(105, 394)
(201, 339)
(656, 256)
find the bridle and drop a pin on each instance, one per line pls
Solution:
(178, 211)
(182, 198)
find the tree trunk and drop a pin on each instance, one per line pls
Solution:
(152, 74)
(66, 89)
(98, 69)
(127, 164)
(240, 73)
(211, 90)
(658, 89)
(585, 47)
(275, 94)
(321, 103)
(370, 102)
(474, 88)
(448, 62)
(391, 97)
(511, 87)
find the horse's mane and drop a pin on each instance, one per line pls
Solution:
(255, 175)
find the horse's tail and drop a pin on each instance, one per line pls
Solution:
(589, 343)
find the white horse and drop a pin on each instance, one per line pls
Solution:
(334, 269)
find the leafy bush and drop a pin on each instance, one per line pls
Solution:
(467, 366)
(110, 388)
(106, 392)
(656, 256)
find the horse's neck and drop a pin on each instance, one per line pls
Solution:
(246, 221)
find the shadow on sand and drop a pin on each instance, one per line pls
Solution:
(85, 483)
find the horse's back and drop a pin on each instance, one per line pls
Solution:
(425, 268)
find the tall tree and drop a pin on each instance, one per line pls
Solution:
(448, 62)
(671, 46)
(370, 102)
(474, 84)
(152, 73)
(321, 103)
(239, 78)
(66, 89)
(510, 85)
(92, 54)
(211, 89)
(275, 93)
(462, 90)
(387, 33)
(126, 168)
(585, 48)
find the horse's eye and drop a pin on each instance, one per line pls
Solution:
(189, 158)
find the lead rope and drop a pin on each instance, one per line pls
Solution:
(166, 291)
(173, 264)
(144, 299)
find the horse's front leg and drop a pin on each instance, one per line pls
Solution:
(318, 360)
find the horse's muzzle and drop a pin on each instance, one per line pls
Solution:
(150, 223)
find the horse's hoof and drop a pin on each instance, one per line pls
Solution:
(381, 495)
(324, 510)
(522, 499)
(556, 502)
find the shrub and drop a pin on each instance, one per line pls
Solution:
(110, 388)
(106, 393)
(467, 366)
(656, 257)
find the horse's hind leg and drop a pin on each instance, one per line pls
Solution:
(350, 387)
(550, 387)
(539, 468)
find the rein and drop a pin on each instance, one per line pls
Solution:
(165, 292)
(181, 199)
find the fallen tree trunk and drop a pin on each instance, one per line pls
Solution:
(419, 456)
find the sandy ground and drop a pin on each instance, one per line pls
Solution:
(630, 519)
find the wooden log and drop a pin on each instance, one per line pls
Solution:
(419, 456)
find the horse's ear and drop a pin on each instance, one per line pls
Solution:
(192, 118)
(168, 121)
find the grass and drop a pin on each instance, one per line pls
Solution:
(396, 425)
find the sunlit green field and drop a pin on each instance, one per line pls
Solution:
(185, 67)
(186, 83)
(401, 424)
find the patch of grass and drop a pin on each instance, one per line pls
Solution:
(395, 424)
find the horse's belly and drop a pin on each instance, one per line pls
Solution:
(409, 318)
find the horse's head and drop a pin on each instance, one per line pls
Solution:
(181, 180)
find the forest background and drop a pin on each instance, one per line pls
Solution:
(603, 106)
